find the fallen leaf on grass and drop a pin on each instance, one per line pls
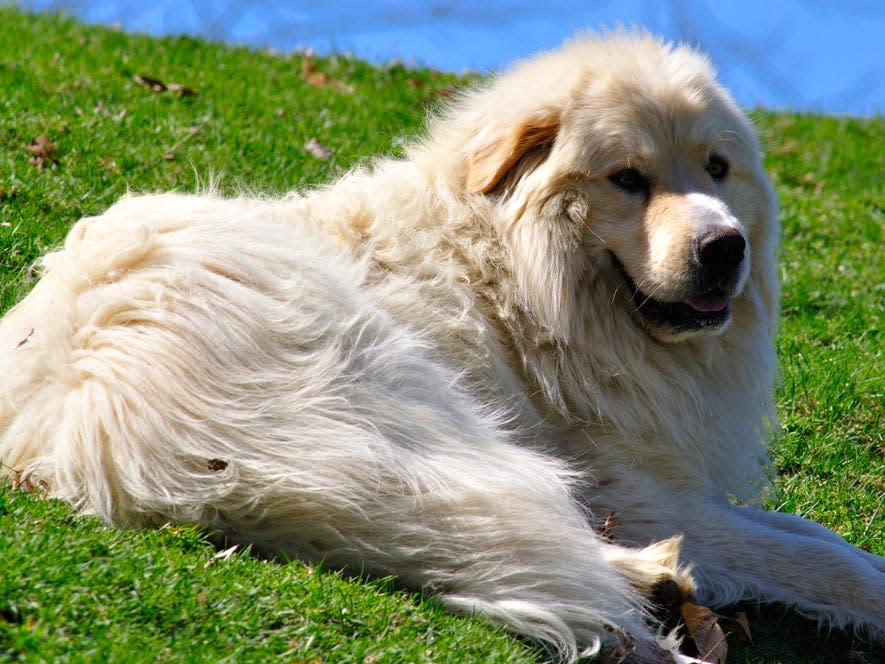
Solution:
(320, 79)
(156, 85)
(149, 82)
(703, 628)
(43, 150)
(221, 555)
(182, 90)
(24, 483)
(110, 165)
(741, 621)
(317, 149)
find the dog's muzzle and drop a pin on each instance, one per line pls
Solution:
(718, 261)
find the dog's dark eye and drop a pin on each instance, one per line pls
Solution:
(631, 181)
(717, 167)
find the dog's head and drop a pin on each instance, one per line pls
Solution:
(618, 164)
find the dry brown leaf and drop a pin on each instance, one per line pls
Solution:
(308, 67)
(16, 477)
(43, 150)
(703, 628)
(22, 482)
(741, 620)
(317, 79)
(149, 82)
(182, 90)
(317, 149)
(320, 79)
(156, 85)
(41, 145)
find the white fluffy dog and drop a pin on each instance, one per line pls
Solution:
(453, 368)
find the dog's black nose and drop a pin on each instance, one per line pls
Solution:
(720, 253)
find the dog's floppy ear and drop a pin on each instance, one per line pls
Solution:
(498, 142)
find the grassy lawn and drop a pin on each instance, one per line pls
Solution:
(87, 113)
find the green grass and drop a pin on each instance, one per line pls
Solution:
(832, 341)
(74, 590)
(71, 589)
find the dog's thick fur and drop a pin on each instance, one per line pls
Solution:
(453, 368)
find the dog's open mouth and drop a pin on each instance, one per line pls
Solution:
(708, 310)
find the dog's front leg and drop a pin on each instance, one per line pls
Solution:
(801, 526)
(741, 553)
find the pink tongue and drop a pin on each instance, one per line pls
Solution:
(705, 303)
